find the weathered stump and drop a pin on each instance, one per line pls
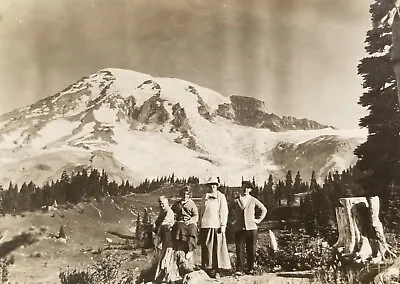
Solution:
(361, 234)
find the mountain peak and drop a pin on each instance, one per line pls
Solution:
(137, 126)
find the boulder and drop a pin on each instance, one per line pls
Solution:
(198, 277)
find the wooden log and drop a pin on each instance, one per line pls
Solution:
(122, 236)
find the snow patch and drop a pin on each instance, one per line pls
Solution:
(3, 123)
(53, 131)
(105, 114)
(11, 139)
(126, 82)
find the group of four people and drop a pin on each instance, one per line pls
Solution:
(177, 228)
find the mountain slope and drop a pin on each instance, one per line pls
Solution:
(136, 126)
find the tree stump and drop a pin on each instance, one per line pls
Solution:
(361, 234)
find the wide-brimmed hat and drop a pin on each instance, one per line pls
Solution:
(213, 180)
(247, 184)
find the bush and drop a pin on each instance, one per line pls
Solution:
(104, 271)
(4, 271)
(36, 254)
(297, 251)
(394, 242)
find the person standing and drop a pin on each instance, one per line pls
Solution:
(213, 216)
(184, 232)
(167, 268)
(246, 226)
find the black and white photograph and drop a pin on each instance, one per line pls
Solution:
(200, 141)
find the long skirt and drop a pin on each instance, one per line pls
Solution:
(184, 236)
(214, 249)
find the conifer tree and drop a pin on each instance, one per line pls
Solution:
(268, 194)
(313, 182)
(308, 214)
(2, 194)
(289, 188)
(61, 233)
(392, 216)
(279, 190)
(138, 232)
(379, 156)
(297, 188)
(103, 183)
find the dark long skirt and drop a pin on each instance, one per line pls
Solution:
(184, 236)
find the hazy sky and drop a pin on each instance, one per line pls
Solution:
(300, 57)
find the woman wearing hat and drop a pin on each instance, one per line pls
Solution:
(246, 226)
(184, 231)
(213, 216)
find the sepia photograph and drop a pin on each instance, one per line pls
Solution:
(200, 141)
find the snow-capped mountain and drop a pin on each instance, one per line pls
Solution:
(136, 126)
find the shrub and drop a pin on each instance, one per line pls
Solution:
(3, 271)
(297, 251)
(104, 271)
(35, 254)
(394, 242)
(4, 264)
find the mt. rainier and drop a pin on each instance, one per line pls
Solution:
(136, 126)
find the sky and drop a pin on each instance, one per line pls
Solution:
(299, 57)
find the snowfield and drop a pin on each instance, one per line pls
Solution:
(98, 132)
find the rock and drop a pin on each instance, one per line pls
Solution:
(389, 274)
(63, 240)
(108, 240)
(198, 277)
(180, 121)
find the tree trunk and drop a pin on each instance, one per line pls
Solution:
(361, 234)
(396, 51)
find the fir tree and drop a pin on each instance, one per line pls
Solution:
(2, 194)
(289, 188)
(392, 218)
(308, 215)
(279, 190)
(103, 183)
(61, 233)
(23, 198)
(379, 156)
(268, 194)
(138, 232)
(313, 182)
(297, 188)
